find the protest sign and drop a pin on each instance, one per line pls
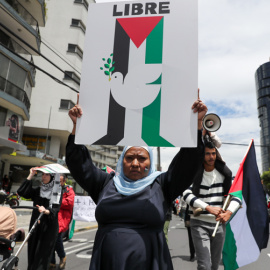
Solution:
(52, 168)
(104, 1)
(84, 209)
(139, 76)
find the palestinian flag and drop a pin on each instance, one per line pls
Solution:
(248, 231)
(137, 40)
(107, 169)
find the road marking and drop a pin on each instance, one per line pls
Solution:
(91, 230)
(268, 254)
(78, 240)
(84, 256)
(173, 227)
(83, 244)
(79, 249)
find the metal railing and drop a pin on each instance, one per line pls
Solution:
(16, 48)
(14, 91)
(24, 14)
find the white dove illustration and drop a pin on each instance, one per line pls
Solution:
(135, 92)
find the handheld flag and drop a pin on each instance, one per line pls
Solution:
(107, 169)
(248, 231)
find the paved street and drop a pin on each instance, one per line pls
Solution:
(178, 244)
(79, 250)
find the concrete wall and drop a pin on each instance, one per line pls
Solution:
(47, 94)
(54, 146)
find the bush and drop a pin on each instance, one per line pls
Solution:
(266, 180)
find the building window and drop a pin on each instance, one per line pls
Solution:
(66, 104)
(79, 24)
(36, 143)
(73, 48)
(3, 116)
(83, 2)
(13, 80)
(70, 75)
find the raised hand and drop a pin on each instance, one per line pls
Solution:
(75, 112)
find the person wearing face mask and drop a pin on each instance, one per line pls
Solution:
(41, 243)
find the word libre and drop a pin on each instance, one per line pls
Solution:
(139, 9)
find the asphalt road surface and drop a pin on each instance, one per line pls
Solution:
(79, 251)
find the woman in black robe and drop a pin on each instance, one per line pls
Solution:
(41, 243)
(132, 203)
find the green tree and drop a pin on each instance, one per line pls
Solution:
(266, 180)
(69, 182)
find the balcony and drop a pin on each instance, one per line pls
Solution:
(16, 48)
(14, 98)
(40, 155)
(36, 8)
(15, 74)
(14, 91)
(16, 22)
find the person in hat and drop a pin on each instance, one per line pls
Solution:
(41, 243)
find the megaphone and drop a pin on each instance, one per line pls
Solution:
(211, 122)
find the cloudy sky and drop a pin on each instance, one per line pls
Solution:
(234, 40)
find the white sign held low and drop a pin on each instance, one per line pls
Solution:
(84, 209)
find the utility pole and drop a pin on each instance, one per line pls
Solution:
(158, 159)
(47, 137)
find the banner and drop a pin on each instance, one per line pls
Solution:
(140, 74)
(84, 209)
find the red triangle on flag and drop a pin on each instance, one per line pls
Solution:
(139, 28)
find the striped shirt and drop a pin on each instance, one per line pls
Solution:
(211, 193)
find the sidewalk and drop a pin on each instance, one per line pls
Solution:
(24, 216)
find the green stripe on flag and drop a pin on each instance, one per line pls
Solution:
(154, 45)
(151, 124)
(151, 113)
(237, 194)
(229, 250)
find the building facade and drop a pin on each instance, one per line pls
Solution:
(262, 79)
(44, 115)
(20, 39)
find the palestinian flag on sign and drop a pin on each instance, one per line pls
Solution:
(248, 231)
(107, 169)
(137, 40)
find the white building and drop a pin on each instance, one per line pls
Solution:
(19, 40)
(46, 131)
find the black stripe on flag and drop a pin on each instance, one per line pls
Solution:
(255, 199)
(116, 117)
(116, 120)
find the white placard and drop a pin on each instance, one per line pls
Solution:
(140, 74)
(84, 209)
(106, 1)
(52, 168)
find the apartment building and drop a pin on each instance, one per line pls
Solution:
(262, 79)
(45, 125)
(20, 40)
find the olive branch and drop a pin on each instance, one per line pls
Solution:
(109, 66)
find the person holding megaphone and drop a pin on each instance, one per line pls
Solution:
(206, 195)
